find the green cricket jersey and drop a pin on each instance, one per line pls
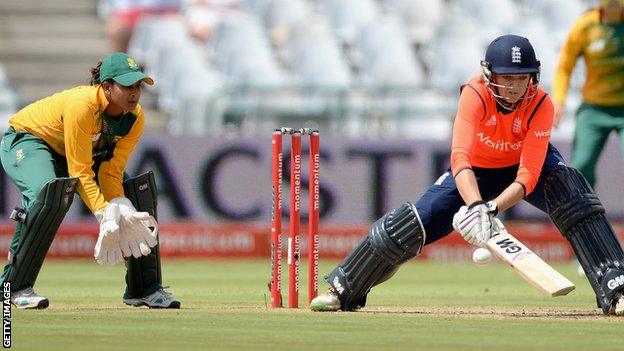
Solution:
(602, 47)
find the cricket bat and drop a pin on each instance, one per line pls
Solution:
(527, 264)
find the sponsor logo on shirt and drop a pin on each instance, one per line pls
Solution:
(501, 145)
(542, 133)
(491, 121)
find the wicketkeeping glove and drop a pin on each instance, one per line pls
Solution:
(107, 250)
(474, 222)
(139, 230)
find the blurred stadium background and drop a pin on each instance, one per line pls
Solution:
(378, 78)
(363, 66)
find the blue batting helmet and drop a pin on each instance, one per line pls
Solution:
(511, 54)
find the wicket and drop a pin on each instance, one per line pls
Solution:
(293, 248)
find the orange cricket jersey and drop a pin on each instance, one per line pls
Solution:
(487, 138)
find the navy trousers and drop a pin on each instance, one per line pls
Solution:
(442, 200)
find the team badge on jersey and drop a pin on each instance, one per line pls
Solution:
(19, 155)
(517, 125)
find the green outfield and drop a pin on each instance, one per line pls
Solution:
(425, 306)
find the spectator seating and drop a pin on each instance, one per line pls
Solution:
(362, 66)
(9, 100)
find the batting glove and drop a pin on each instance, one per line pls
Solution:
(474, 222)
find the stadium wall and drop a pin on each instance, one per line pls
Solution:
(251, 240)
(215, 197)
(212, 180)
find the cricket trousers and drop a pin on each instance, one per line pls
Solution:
(594, 124)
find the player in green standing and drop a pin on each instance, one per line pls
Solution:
(597, 37)
(80, 140)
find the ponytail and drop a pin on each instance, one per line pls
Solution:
(95, 73)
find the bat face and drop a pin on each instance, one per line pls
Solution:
(530, 266)
(509, 245)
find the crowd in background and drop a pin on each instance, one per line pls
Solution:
(355, 66)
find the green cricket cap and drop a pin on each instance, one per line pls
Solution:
(123, 69)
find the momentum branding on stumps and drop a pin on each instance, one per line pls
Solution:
(294, 249)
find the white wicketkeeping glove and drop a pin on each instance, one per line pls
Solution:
(136, 237)
(474, 223)
(107, 250)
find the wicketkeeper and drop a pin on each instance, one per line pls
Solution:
(501, 154)
(80, 140)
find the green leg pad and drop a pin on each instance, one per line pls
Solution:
(143, 275)
(37, 228)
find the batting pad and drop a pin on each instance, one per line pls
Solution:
(580, 217)
(392, 240)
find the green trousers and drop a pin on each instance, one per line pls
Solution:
(31, 163)
(594, 124)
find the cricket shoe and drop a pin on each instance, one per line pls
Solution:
(617, 308)
(27, 298)
(159, 299)
(327, 302)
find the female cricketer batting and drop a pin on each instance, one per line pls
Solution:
(80, 140)
(500, 155)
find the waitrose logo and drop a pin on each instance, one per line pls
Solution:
(542, 133)
(501, 145)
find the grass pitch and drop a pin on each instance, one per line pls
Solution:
(224, 307)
